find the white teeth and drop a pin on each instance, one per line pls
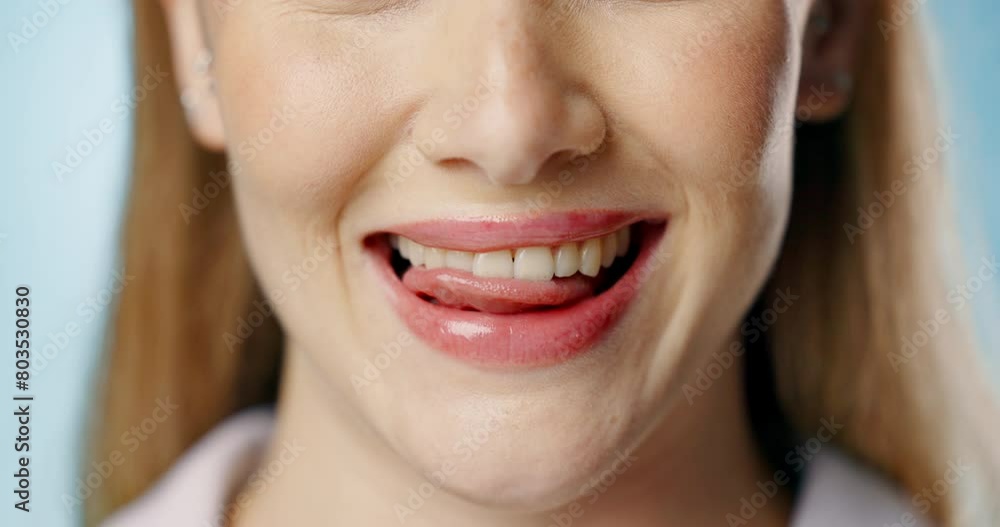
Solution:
(460, 260)
(567, 260)
(609, 249)
(624, 239)
(418, 253)
(434, 258)
(524, 263)
(496, 264)
(404, 247)
(534, 263)
(590, 257)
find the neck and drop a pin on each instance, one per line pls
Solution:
(693, 470)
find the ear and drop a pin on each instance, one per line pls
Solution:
(194, 72)
(831, 43)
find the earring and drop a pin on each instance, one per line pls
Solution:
(189, 100)
(202, 68)
(203, 62)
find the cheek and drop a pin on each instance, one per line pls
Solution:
(737, 154)
(713, 99)
(297, 121)
(303, 103)
(710, 91)
(709, 107)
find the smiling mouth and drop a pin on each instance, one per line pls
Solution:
(529, 292)
(513, 280)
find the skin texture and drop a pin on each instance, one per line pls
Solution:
(679, 107)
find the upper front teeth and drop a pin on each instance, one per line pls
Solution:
(525, 263)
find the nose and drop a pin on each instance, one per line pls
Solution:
(505, 109)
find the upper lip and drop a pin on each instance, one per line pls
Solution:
(489, 233)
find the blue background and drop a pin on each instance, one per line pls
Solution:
(60, 236)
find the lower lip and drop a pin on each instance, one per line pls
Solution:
(532, 339)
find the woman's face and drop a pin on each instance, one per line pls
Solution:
(494, 125)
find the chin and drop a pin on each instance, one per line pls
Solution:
(536, 460)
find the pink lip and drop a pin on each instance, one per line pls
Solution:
(491, 233)
(527, 339)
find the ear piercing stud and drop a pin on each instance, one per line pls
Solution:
(189, 100)
(202, 67)
(203, 62)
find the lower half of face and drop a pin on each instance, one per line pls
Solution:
(508, 244)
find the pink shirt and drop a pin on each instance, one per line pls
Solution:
(836, 491)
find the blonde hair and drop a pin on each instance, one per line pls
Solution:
(836, 354)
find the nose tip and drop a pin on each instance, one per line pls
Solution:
(520, 137)
(516, 130)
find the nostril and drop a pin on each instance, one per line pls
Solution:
(566, 156)
(456, 162)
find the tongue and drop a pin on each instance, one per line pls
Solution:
(463, 290)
